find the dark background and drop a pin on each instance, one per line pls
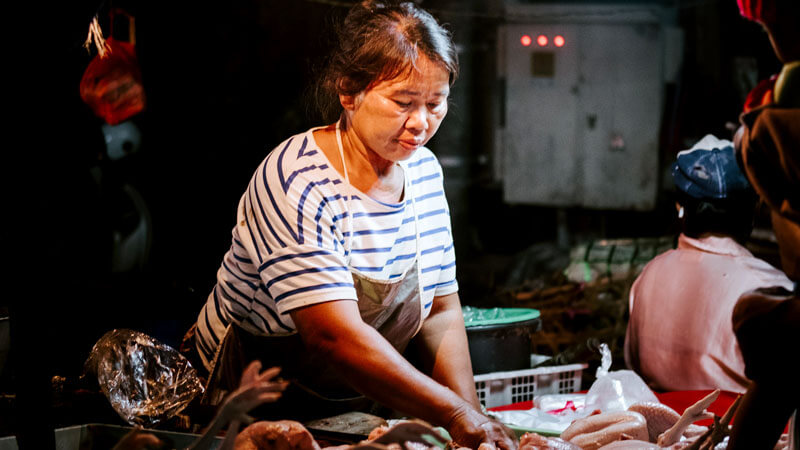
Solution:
(224, 85)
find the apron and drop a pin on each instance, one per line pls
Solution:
(393, 308)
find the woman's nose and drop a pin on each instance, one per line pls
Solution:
(417, 120)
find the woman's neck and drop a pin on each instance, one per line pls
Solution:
(379, 178)
(355, 151)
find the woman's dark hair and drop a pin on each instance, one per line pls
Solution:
(732, 216)
(376, 42)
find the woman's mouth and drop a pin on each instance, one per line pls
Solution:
(409, 144)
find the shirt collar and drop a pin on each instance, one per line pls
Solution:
(720, 245)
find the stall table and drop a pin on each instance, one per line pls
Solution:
(677, 400)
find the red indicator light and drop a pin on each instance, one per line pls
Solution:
(525, 40)
(541, 40)
(558, 41)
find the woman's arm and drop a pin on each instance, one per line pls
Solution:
(372, 366)
(442, 344)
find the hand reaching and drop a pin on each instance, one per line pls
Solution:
(255, 388)
(474, 430)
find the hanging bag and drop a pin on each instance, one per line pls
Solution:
(112, 83)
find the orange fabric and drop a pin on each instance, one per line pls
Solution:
(761, 11)
(762, 94)
(770, 154)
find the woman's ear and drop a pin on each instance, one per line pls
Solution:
(348, 101)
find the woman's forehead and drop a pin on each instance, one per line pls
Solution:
(423, 77)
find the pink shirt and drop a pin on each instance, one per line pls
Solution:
(680, 334)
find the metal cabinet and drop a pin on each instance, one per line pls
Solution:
(583, 99)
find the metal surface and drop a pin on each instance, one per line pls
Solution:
(100, 436)
(581, 121)
(347, 428)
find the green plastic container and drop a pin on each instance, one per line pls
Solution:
(500, 338)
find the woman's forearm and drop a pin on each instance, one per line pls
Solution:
(372, 366)
(442, 344)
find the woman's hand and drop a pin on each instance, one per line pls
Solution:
(472, 429)
(334, 330)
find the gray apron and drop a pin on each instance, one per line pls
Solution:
(393, 308)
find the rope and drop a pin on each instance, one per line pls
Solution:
(96, 36)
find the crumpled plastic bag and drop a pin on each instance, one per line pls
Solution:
(145, 381)
(537, 420)
(611, 391)
(618, 390)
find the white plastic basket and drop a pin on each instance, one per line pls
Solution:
(505, 388)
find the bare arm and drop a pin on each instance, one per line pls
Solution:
(442, 343)
(376, 369)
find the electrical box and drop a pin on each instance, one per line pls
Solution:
(583, 100)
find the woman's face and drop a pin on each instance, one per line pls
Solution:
(393, 118)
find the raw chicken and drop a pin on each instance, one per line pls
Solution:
(280, 435)
(533, 441)
(595, 431)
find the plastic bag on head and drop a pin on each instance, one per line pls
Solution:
(145, 381)
(617, 390)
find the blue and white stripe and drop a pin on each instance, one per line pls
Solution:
(292, 241)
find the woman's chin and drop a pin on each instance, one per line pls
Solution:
(405, 150)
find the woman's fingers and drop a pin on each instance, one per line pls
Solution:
(497, 437)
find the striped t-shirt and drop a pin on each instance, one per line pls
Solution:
(292, 241)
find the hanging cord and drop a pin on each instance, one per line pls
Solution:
(96, 36)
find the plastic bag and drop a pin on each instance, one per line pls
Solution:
(475, 317)
(560, 404)
(536, 420)
(618, 390)
(612, 391)
(112, 83)
(145, 381)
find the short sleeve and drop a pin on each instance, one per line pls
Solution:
(289, 222)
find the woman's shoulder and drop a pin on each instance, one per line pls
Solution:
(294, 153)
(294, 164)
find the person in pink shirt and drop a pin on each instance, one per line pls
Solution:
(679, 335)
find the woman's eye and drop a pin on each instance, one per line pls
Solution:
(402, 104)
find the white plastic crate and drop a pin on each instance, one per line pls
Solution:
(505, 388)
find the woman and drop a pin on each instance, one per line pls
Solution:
(342, 251)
